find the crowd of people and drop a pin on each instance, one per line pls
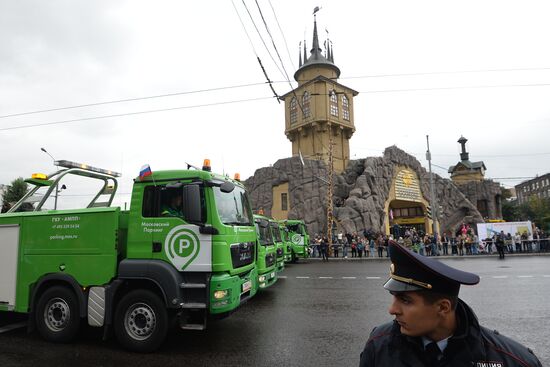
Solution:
(464, 242)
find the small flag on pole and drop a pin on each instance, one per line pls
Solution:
(145, 171)
(301, 157)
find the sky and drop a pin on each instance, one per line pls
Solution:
(480, 69)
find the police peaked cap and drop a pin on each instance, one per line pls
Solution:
(410, 271)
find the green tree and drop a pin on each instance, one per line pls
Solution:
(14, 192)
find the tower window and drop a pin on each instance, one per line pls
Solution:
(293, 111)
(333, 104)
(306, 104)
(345, 108)
(284, 201)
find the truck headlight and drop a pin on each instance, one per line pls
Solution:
(221, 294)
(261, 278)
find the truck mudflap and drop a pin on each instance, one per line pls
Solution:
(228, 292)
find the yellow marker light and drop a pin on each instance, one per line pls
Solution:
(40, 176)
(206, 165)
(237, 177)
(220, 294)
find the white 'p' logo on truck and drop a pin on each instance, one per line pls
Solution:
(181, 246)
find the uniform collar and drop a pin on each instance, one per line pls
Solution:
(442, 344)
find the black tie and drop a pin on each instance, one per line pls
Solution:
(433, 353)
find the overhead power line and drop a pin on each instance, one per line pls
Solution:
(457, 87)
(130, 114)
(255, 53)
(133, 99)
(206, 90)
(282, 33)
(261, 38)
(444, 72)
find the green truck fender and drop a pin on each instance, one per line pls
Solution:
(164, 275)
(58, 279)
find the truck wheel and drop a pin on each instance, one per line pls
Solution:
(57, 315)
(141, 321)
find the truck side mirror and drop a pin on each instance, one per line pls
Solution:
(227, 187)
(192, 206)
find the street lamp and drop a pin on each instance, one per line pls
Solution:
(57, 189)
(45, 151)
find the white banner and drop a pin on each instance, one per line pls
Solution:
(485, 230)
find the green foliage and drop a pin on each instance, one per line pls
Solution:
(536, 210)
(14, 192)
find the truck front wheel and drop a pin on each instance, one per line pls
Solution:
(141, 321)
(57, 317)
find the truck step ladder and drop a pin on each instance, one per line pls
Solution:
(194, 305)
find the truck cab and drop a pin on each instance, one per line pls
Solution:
(286, 241)
(267, 253)
(279, 244)
(299, 238)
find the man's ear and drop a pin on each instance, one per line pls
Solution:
(444, 306)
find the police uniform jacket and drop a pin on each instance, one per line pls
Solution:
(471, 345)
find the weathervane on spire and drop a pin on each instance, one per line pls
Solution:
(316, 9)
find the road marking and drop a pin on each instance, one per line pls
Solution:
(349, 277)
(282, 276)
(302, 277)
(500, 276)
(10, 327)
(373, 277)
(325, 277)
(525, 276)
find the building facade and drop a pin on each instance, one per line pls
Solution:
(537, 187)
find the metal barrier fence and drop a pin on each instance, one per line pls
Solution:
(450, 248)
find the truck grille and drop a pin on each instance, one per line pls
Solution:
(269, 260)
(242, 254)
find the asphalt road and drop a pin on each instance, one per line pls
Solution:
(318, 314)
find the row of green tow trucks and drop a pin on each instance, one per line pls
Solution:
(188, 252)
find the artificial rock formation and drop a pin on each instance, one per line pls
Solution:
(360, 192)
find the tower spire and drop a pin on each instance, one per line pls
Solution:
(300, 54)
(315, 48)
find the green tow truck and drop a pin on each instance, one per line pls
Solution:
(286, 241)
(266, 261)
(279, 244)
(183, 254)
(297, 233)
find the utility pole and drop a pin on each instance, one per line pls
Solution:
(330, 190)
(433, 201)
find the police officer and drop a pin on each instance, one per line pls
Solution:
(432, 326)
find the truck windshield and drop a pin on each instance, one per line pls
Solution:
(296, 228)
(264, 233)
(233, 207)
(276, 232)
